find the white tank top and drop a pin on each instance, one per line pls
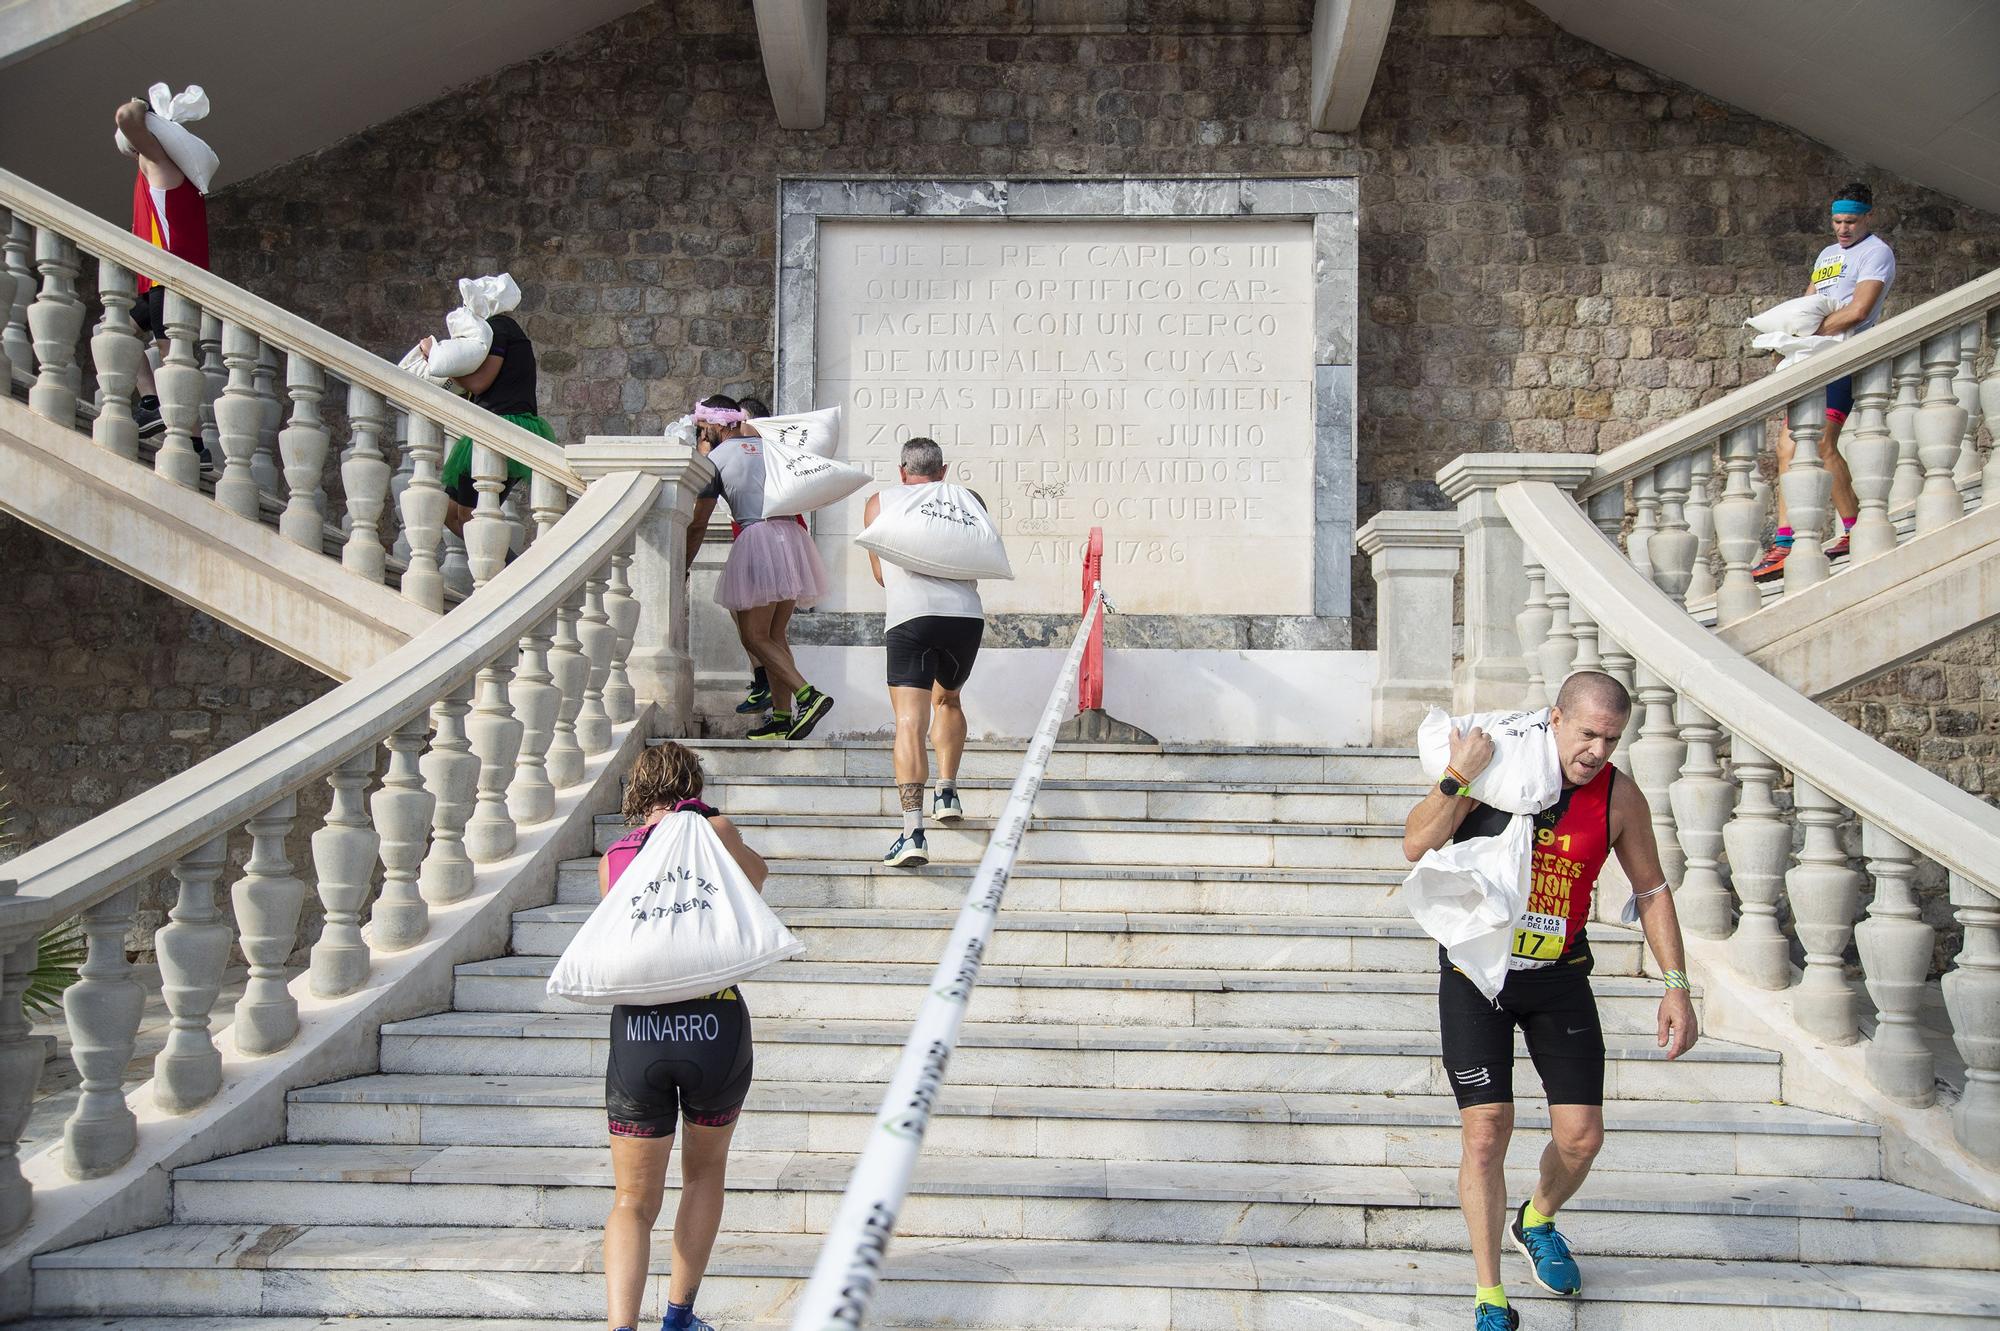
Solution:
(914, 595)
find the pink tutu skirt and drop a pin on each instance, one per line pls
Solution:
(771, 561)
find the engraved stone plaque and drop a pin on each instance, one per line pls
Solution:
(1152, 376)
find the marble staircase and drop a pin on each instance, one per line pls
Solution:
(1198, 1088)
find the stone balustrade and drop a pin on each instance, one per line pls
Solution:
(466, 722)
(276, 404)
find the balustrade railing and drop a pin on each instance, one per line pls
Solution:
(280, 406)
(470, 715)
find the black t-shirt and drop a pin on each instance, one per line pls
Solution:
(512, 392)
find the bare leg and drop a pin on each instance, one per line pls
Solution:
(1482, 1183)
(913, 723)
(704, 1170)
(765, 644)
(1784, 451)
(456, 515)
(1577, 1136)
(947, 731)
(639, 1173)
(1845, 501)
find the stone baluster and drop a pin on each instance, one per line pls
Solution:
(496, 739)
(1871, 457)
(402, 811)
(1559, 647)
(547, 502)
(1759, 843)
(17, 290)
(1701, 521)
(622, 608)
(179, 381)
(344, 852)
(1895, 946)
(193, 949)
(1972, 997)
(303, 444)
(568, 668)
(1674, 544)
(1584, 629)
(1965, 385)
(1989, 406)
(1825, 896)
(1939, 423)
(399, 482)
(1739, 519)
(270, 419)
(1645, 521)
(487, 533)
(1808, 491)
(103, 1008)
(238, 415)
(451, 774)
(1907, 374)
(594, 632)
(56, 320)
(1531, 626)
(116, 352)
(1607, 513)
(20, 1069)
(1657, 756)
(267, 899)
(423, 517)
(531, 798)
(364, 474)
(455, 566)
(214, 376)
(1701, 801)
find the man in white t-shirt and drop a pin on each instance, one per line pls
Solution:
(1857, 270)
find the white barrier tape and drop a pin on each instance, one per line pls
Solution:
(849, 1270)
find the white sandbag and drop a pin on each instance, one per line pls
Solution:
(681, 922)
(1791, 328)
(167, 121)
(939, 529)
(797, 481)
(416, 362)
(815, 431)
(465, 350)
(683, 432)
(484, 297)
(1523, 777)
(1467, 895)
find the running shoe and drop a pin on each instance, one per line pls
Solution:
(812, 706)
(757, 700)
(148, 419)
(697, 1324)
(909, 851)
(777, 726)
(1492, 1317)
(1773, 563)
(1548, 1252)
(945, 807)
(1839, 546)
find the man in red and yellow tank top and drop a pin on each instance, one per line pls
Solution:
(167, 211)
(1547, 992)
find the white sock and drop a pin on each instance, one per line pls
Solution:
(913, 821)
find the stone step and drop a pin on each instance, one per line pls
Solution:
(1078, 840)
(1106, 996)
(349, 1322)
(725, 759)
(562, 1044)
(997, 1195)
(1103, 940)
(1160, 889)
(314, 1269)
(1170, 801)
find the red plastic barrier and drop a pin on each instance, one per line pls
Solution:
(1090, 676)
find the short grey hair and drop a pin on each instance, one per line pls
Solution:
(923, 457)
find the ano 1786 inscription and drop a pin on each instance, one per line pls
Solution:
(1153, 378)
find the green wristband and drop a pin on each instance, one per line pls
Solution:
(1677, 980)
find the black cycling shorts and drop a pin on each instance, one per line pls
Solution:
(1555, 1010)
(933, 650)
(690, 1059)
(149, 311)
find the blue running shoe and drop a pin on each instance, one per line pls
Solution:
(757, 700)
(1548, 1253)
(1492, 1317)
(909, 850)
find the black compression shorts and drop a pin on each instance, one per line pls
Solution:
(1555, 1010)
(933, 649)
(690, 1059)
(150, 312)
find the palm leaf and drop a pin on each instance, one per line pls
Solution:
(58, 955)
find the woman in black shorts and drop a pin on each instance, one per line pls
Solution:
(689, 1060)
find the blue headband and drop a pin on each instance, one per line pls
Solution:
(1851, 207)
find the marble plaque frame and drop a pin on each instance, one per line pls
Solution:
(1329, 203)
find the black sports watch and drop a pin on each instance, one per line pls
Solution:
(1452, 788)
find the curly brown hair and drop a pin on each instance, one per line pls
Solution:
(661, 776)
